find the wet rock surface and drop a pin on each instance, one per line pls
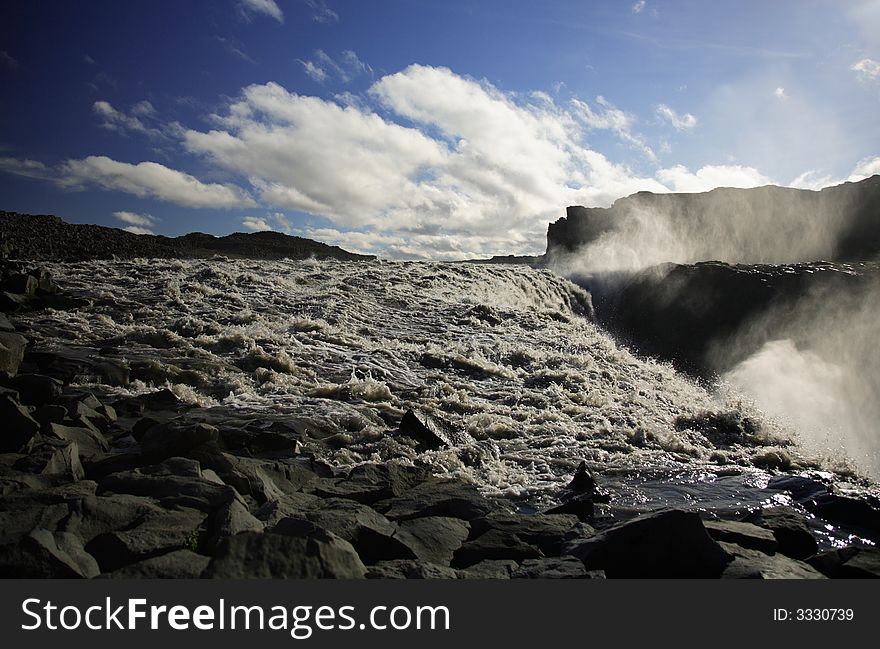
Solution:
(99, 481)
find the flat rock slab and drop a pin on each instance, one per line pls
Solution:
(252, 555)
(180, 564)
(433, 539)
(753, 564)
(410, 569)
(744, 535)
(543, 530)
(664, 544)
(495, 544)
(438, 498)
(552, 568)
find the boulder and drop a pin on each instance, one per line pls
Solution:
(744, 535)
(158, 534)
(666, 544)
(315, 555)
(89, 442)
(848, 563)
(287, 506)
(5, 325)
(790, 528)
(18, 425)
(431, 433)
(43, 554)
(179, 564)
(230, 519)
(12, 346)
(169, 486)
(370, 483)
(53, 457)
(175, 438)
(551, 568)
(753, 564)
(543, 530)
(410, 569)
(438, 498)
(371, 534)
(433, 539)
(35, 389)
(495, 544)
(21, 284)
(490, 569)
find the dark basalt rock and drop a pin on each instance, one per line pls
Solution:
(46, 555)
(431, 433)
(433, 539)
(18, 425)
(315, 555)
(744, 535)
(664, 544)
(12, 346)
(848, 563)
(179, 564)
(495, 544)
(546, 531)
(410, 569)
(175, 438)
(34, 389)
(439, 498)
(753, 564)
(790, 529)
(553, 568)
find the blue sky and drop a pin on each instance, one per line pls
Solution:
(422, 128)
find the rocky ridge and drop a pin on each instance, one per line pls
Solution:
(45, 237)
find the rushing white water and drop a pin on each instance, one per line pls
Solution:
(506, 353)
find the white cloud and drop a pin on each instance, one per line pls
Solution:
(813, 179)
(865, 168)
(347, 67)
(26, 168)
(867, 69)
(256, 224)
(607, 116)
(779, 93)
(321, 13)
(680, 179)
(265, 7)
(136, 229)
(639, 7)
(150, 179)
(133, 218)
(115, 120)
(685, 122)
(314, 70)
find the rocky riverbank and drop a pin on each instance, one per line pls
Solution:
(100, 485)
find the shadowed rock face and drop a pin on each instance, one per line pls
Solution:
(760, 225)
(684, 313)
(25, 236)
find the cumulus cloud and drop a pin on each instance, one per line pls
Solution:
(150, 179)
(265, 7)
(680, 179)
(256, 224)
(427, 163)
(132, 218)
(685, 122)
(639, 7)
(779, 93)
(867, 69)
(813, 179)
